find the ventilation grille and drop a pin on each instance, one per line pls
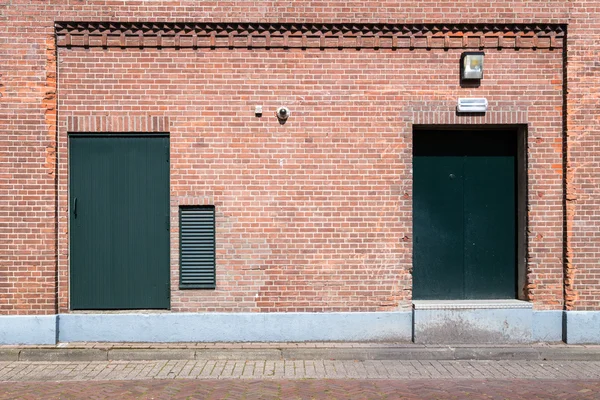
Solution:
(197, 247)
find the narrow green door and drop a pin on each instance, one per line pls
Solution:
(464, 215)
(119, 231)
(438, 239)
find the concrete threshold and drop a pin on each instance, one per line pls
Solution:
(73, 352)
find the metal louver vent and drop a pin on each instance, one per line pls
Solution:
(197, 247)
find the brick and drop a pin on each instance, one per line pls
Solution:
(314, 215)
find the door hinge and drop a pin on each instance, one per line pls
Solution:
(168, 291)
(167, 224)
(167, 152)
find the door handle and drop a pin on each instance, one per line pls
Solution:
(75, 207)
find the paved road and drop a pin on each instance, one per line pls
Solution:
(305, 389)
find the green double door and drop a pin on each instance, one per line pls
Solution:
(464, 215)
(119, 226)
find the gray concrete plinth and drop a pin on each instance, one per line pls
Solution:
(474, 322)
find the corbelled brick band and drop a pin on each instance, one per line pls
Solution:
(340, 36)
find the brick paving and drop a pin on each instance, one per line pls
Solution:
(300, 379)
(305, 389)
(296, 369)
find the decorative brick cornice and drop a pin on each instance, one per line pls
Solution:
(303, 36)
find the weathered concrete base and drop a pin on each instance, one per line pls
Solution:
(582, 327)
(477, 322)
(547, 326)
(236, 327)
(28, 329)
(434, 323)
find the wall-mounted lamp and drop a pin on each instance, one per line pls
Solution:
(471, 105)
(471, 65)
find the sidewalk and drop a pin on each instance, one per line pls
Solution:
(296, 369)
(71, 352)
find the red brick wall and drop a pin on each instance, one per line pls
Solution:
(27, 165)
(282, 251)
(314, 215)
(583, 124)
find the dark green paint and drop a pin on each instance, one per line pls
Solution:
(197, 247)
(436, 199)
(119, 237)
(464, 210)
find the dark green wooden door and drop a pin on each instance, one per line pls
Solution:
(119, 232)
(464, 215)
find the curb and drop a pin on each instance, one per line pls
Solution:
(354, 353)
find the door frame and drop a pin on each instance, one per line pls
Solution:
(522, 184)
(69, 214)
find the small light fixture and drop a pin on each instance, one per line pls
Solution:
(471, 65)
(472, 105)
